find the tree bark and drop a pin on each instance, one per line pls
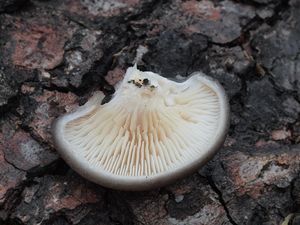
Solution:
(55, 54)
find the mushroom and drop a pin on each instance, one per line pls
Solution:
(152, 132)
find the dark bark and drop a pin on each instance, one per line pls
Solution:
(54, 54)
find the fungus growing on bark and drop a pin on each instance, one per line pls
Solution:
(152, 132)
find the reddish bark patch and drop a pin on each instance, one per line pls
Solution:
(251, 174)
(55, 200)
(37, 46)
(202, 9)
(51, 104)
(22, 151)
(54, 194)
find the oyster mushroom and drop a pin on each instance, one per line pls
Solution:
(152, 132)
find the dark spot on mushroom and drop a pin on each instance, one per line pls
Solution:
(145, 81)
(138, 85)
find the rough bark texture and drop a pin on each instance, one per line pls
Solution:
(54, 54)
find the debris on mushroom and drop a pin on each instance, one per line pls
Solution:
(152, 132)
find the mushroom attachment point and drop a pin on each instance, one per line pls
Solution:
(152, 132)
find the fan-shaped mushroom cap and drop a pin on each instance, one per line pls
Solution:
(152, 132)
